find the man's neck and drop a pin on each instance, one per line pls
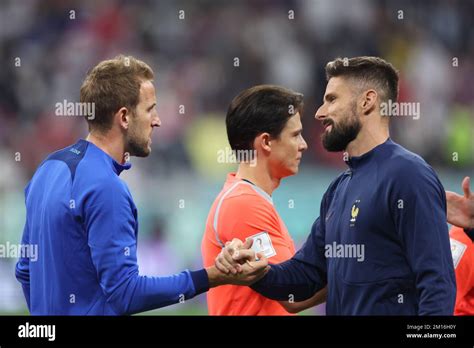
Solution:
(112, 146)
(367, 139)
(259, 175)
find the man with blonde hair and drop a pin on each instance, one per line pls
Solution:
(82, 217)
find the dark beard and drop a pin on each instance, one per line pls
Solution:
(137, 149)
(342, 134)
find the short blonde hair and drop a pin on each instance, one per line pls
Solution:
(111, 85)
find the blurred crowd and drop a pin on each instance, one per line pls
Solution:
(203, 53)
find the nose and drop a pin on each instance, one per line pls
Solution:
(156, 122)
(303, 145)
(320, 113)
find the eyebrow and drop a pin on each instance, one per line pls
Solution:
(328, 96)
(151, 107)
(299, 130)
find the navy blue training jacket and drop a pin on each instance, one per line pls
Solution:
(381, 242)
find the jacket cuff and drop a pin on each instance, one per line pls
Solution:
(200, 280)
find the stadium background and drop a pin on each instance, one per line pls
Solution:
(195, 65)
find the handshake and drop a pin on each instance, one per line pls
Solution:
(238, 264)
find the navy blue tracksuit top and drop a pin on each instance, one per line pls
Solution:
(380, 244)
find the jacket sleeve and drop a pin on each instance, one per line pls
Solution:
(110, 224)
(419, 209)
(22, 269)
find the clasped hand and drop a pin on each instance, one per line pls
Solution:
(240, 264)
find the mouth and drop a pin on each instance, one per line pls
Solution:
(327, 124)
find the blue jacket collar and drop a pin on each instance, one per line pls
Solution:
(117, 167)
(358, 161)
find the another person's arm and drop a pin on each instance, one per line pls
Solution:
(297, 279)
(111, 237)
(316, 299)
(22, 270)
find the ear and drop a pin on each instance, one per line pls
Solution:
(263, 141)
(368, 101)
(123, 116)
